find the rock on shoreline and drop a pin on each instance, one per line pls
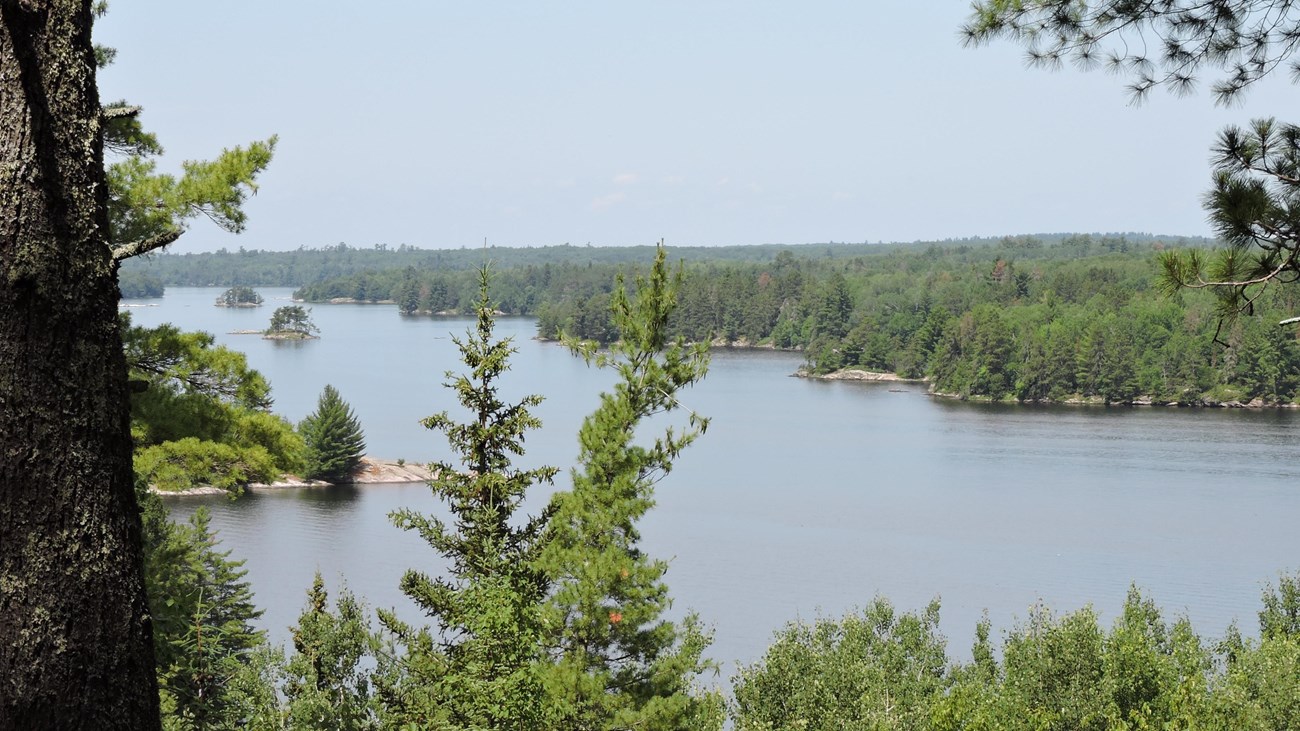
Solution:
(372, 472)
(267, 335)
(856, 374)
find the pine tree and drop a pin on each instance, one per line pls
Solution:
(75, 630)
(481, 672)
(614, 661)
(292, 321)
(335, 442)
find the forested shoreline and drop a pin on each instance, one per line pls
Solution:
(1054, 319)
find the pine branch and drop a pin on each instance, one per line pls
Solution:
(144, 246)
(119, 112)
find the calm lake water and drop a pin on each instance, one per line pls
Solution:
(804, 498)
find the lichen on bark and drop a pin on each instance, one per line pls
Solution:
(75, 644)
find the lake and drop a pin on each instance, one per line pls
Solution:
(805, 498)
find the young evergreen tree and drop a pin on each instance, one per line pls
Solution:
(614, 662)
(326, 685)
(202, 619)
(481, 672)
(335, 442)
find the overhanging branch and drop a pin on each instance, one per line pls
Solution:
(117, 112)
(144, 246)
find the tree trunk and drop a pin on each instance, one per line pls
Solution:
(75, 640)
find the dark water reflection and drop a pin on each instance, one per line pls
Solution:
(804, 497)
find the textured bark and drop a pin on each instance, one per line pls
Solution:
(75, 645)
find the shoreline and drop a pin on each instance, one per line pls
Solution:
(858, 374)
(1076, 400)
(266, 335)
(715, 344)
(372, 472)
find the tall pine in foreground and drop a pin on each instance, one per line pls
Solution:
(76, 647)
(335, 442)
(480, 671)
(614, 661)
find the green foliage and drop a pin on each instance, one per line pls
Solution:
(1253, 207)
(1071, 317)
(614, 661)
(1029, 318)
(201, 607)
(292, 321)
(1168, 43)
(335, 442)
(274, 433)
(346, 265)
(147, 205)
(175, 362)
(553, 621)
(482, 673)
(1280, 617)
(239, 297)
(147, 209)
(216, 672)
(326, 685)
(200, 416)
(557, 621)
(877, 669)
(1018, 320)
(191, 462)
(202, 621)
(1260, 688)
(1054, 669)
(1066, 673)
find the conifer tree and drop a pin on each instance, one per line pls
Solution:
(202, 614)
(335, 442)
(326, 685)
(292, 321)
(481, 671)
(614, 661)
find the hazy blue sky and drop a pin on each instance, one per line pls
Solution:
(439, 124)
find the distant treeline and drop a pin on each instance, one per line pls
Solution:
(1030, 318)
(1020, 318)
(137, 284)
(304, 266)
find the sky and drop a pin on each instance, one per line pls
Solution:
(442, 124)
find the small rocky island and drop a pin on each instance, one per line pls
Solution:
(291, 322)
(239, 297)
